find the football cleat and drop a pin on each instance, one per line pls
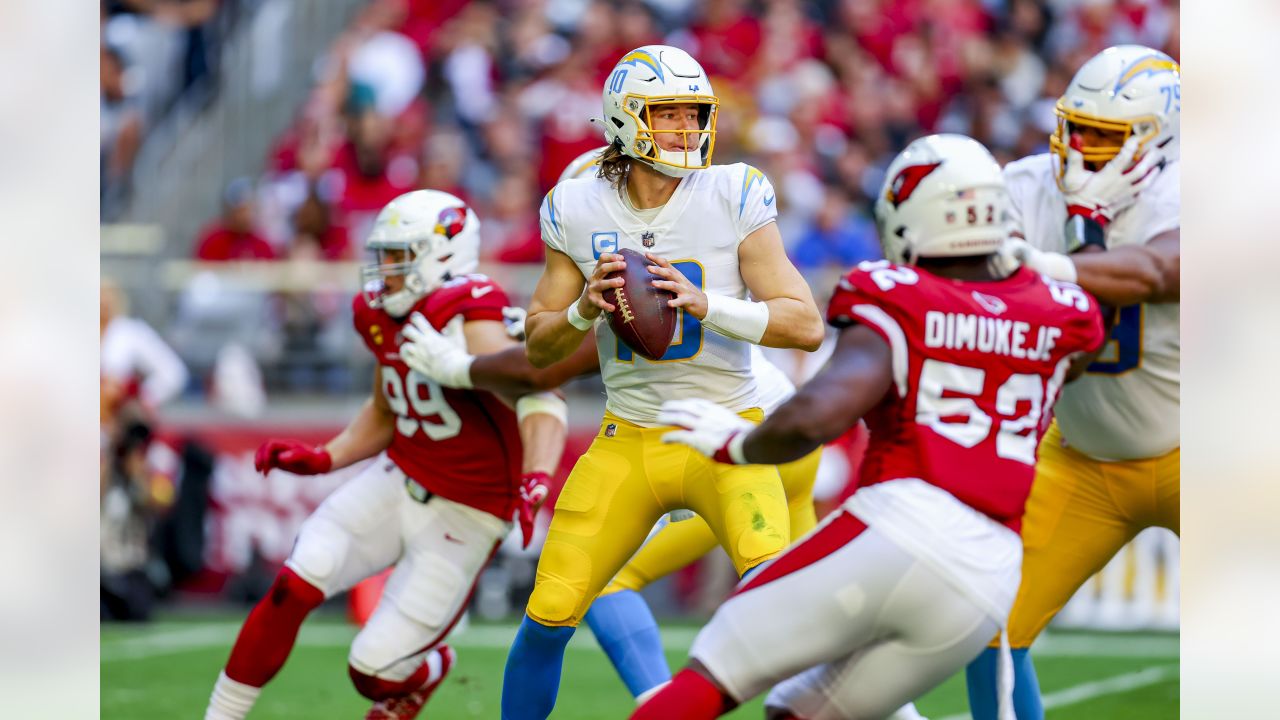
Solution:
(407, 707)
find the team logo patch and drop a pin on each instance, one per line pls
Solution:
(646, 239)
(604, 242)
(993, 305)
(610, 430)
(451, 221)
(907, 182)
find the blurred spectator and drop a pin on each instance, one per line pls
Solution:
(510, 232)
(233, 236)
(121, 129)
(130, 503)
(135, 362)
(315, 234)
(839, 236)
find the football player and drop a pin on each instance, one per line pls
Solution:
(1109, 465)
(955, 366)
(620, 618)
(447, 476)
(710, 235)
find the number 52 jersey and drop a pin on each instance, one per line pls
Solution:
(977, 367)
(699, 231)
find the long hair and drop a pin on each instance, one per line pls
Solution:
(614, 165)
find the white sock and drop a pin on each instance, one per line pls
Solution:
(230, 700)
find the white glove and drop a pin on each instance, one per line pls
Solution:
(514, 317)
(1016, 251)
(1100, 195)
(712, 430)
(432, 355)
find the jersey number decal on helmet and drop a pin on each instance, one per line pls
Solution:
(688, 341)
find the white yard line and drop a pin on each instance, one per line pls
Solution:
(1116, 685)
(163, 639)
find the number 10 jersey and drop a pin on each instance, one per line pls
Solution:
(977, 367)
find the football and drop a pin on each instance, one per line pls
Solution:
(642, 319)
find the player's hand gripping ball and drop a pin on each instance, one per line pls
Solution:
(641, 318)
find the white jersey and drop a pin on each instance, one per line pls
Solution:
(1126, 406)
(698, 230)
(774, 386)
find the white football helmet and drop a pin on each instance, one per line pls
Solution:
(584, 164)
(944, 195)
(1127, 90)
(646, 78)
(440, 236)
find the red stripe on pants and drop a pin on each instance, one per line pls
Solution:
(835, 534)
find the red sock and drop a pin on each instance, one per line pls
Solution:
(689, 696)
(271, 629)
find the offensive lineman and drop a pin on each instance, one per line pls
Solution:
(713, 240)
(440, 493)
(1109, 465)
(955, 365)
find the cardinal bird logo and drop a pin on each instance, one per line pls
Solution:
(907, 182)
(451, 221)
(646, 239)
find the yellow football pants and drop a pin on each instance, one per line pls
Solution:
(621, 485)
(680, 543)
(1081, 512)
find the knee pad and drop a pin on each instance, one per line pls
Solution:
(318, 555)
(554, 603)
(563, 574)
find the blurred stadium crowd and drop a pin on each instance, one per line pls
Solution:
(489, 100)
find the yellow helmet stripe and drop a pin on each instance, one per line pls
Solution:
(1151, 64)
(643, 57)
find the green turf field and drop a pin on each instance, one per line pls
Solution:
(166, 669)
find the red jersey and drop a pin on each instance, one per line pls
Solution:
(977, 367)
(463, 445)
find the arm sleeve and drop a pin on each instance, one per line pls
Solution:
(551, 219)
(755, 204)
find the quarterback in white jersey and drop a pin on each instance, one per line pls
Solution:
(710, 235)
(1102, 210)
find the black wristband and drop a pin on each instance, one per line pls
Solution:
(1081, 232)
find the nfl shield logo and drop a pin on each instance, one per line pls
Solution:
(646, 239)
(610, 430)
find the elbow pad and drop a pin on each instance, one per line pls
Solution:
(548, 402)
(737, 319)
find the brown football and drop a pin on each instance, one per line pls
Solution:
(642, 319)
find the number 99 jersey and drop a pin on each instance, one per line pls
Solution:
(1126, 406)
(698, 230)
(463, 445)
(977, 367)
